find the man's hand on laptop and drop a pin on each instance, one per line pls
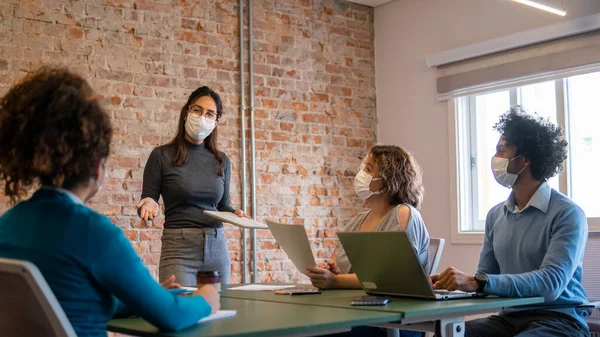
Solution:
(321, 278)
(453, 279)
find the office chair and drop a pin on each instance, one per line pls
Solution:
(436, 246)
(28, 306)
(591, 275)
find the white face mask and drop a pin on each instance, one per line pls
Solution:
(362, 183)
(199, 127)
(500, 171)
(98, 185)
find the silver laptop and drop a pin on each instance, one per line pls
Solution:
(386, 264)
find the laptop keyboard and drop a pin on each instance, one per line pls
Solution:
(445, 292)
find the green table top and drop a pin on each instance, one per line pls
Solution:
(409, 308)
(263, 318)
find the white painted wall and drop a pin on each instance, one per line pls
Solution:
(406, 32)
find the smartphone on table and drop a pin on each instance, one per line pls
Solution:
(370, 300)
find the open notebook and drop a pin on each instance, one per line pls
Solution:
(218, 315)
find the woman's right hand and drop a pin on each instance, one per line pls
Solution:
(147, 209)
(321, 278)
(211, 295)
(323, 265)
(331, 266)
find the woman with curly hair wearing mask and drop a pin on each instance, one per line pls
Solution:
(54, 133)
(390, 182)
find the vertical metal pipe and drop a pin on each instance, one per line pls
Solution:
(243, 140)
(252, 139)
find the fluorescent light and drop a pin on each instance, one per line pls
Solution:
(553, 10)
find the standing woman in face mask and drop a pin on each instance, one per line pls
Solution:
(390, 181)
(192, 175)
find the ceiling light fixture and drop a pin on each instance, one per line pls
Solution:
(561, 12)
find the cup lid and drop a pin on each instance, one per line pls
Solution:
(209, 273)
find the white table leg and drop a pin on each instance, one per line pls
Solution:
(443, 327)
(450, 327)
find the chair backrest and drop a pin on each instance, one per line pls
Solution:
(591, 267)
(436, 246)
(28, 306)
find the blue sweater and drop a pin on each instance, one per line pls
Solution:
(537, 251)
(90, 265)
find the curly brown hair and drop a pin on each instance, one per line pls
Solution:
(400, 173)
(53, 131)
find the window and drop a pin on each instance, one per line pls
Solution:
(584, 140)
(568, 102)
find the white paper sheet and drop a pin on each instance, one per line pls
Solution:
(260, 287)
(192, 289)
(294, 241)
(236, 220)
(218, 315)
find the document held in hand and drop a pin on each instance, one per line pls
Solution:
(236, 220)
(294, 242)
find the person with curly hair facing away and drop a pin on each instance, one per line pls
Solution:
(54, 133)
(533, 242)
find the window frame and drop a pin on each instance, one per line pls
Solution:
(463, 141)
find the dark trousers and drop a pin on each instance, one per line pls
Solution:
(527, 324)
(370, 331)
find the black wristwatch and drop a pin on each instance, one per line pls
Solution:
(481, 280)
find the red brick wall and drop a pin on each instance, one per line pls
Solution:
(315, 99)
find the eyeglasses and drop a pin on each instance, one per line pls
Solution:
(199, 111)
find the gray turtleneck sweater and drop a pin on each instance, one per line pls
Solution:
(190, 189)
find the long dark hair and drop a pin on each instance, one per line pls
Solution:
(180, 155)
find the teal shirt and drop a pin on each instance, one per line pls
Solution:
(537, 251)
(90, 265)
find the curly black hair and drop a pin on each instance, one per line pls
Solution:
(53, 130)
(537, 139)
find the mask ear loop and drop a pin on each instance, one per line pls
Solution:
(103, 165)
(380, 191)
(95, 179)
(522, 168)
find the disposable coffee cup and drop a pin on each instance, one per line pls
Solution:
(209, 277)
